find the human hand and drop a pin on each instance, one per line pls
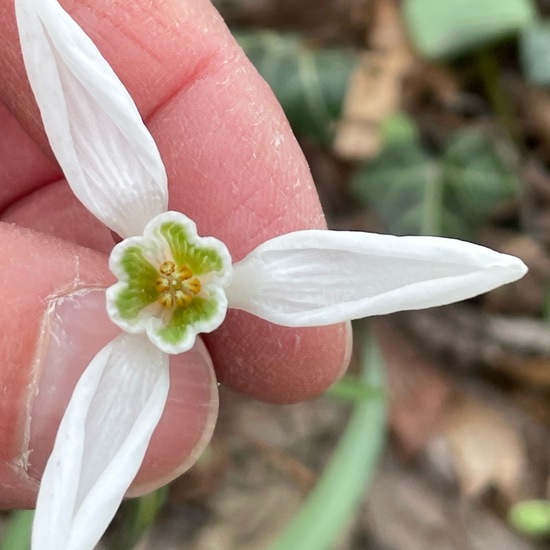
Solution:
(233, 167)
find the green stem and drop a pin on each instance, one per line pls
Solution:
(432, 205)
(338, 493)
(492, 83)
(350, 388)
(137, 516)
(18, 531)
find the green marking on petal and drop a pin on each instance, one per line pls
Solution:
(198, 310)
(141, 290)
(199, 259)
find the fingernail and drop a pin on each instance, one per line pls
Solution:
(74, 328)
(348, 347)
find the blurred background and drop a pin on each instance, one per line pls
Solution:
(417, 117)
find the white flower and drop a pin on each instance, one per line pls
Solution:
(171, 283)
(174, 284)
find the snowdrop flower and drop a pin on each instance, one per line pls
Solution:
(174, 284)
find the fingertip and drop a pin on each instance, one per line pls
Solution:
(34, 270)
(77, 327)
(278, 364)
(54, 322)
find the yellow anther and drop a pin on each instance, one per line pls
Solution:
(166, 300)
(162, 284)
(167, 268)
(176, 285)
(183, 299)
(194, 285)
(182, 273)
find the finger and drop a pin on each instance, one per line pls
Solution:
(54, 322)
(23, 166)
(233, 166)
(44, 201)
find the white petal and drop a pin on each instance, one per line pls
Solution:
(100, 444)
(311, 278)
(107, 154)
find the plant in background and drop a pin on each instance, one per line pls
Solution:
(174, 284)
(454, 27)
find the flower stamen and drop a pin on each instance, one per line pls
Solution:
(167, 268)
(176, 285)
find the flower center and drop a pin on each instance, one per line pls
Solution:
(176, 285)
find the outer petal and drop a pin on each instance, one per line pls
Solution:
(100, 444)
(311, 278)
(107, 154)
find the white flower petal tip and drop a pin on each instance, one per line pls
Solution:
(171, 283)
(507, 269)
(100, 444)
(107, 154)
(311, 278)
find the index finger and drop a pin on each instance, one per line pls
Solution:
(232, 162)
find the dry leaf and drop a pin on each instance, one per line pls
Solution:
(418, 391)
(536, 199)
(487, 450)
(375, 87)
(527, 296)
(535, 106)
(411, 509)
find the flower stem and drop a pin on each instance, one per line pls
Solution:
(137, 515)
(18, 531)
(341, 487)
(498, 98)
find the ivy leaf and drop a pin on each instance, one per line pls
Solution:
(398, 183)
(309, 83)
(475, 179)
(416, 193)
(535, 51)
(441, 29)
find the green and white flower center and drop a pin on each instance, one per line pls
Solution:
(176, 285)
(171, 283)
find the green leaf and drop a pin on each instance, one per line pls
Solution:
(475, 179)
(535, 53)
(350, 388)
(398, 128)
(446, 28)
(309, 83)
(403, 183)
(531, 517)
(340, 489)
(134, 518)
(18, 531)
(415, 193)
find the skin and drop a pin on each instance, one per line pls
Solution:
(233, 166)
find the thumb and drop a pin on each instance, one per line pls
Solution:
(54, 321)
